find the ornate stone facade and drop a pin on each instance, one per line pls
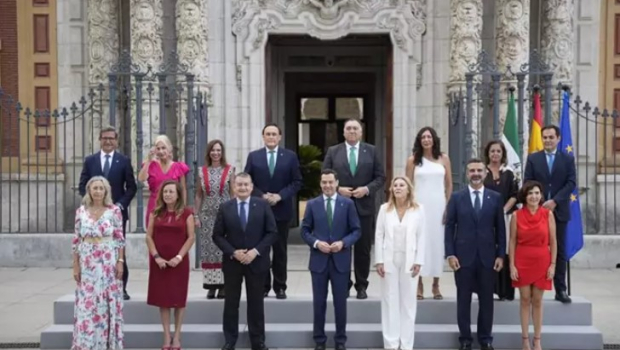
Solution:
(102, 39)
(192, 37)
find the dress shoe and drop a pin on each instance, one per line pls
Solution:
(465, 346)
(361, 294)
(341, 347)
(266, 294)
(126, 296)
(260, 346)
(228, 347)
(563, 297)
(281, 294)
(486, 347)
(319, 347)
(221, 294)
(211, 294)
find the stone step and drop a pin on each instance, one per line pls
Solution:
(298, 309)
(360, 335)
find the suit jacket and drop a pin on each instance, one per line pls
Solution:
(415, 222)
(345, 227)
(369, 173)
(121, 179)
(260, 232)
(560, 183)
(468, 235)
(286, 180)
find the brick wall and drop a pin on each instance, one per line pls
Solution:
(9, 77)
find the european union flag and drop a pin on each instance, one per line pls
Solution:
(574, 228)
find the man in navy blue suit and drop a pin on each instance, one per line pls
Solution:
(556, 172)
(475, 242)
(277, 178)
(330, 227)
(117, 169)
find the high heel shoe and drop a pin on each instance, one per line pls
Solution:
(220, 293)
(211, 294)
(526, 343)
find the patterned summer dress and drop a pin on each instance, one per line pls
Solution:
(217, 190)
(98, 316)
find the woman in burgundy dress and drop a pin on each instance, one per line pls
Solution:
(169, 237)
(534, 248)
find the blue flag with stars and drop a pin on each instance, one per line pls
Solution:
(574, 228)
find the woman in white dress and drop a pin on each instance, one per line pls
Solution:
(431, 174)
(399, 255)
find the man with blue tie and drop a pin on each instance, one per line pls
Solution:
(475, 243)
(556, 172)
(277, 178)
(117, 169)
(330, 227)
(244, 230)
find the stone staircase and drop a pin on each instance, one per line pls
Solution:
(289, 324)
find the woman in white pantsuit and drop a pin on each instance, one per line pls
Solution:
(399, 254)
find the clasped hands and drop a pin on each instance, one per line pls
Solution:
(162, 263)
(245, 256)
(327, 248)
(350, 192)
(453, 261)
(272, 198)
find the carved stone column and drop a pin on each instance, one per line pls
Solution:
(512, 44)
(465, 45)
(102, 54)
(192, 38)
(147, 51)
(557, 44)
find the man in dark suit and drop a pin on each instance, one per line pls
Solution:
(277, 178)
(361, 175)
(330, 227)
(556, 172)
(117, 169)
(475, 243)
(244, 230)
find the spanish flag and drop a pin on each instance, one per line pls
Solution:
(536, 143)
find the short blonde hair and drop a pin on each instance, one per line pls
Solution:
(411, 203)
(165, 140)
(87, 201)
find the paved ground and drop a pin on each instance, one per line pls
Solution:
(27, 296)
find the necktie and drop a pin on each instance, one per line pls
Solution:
(272, 162)
(330, 212)
(242, 215)
(477, 205)
(550, 159)
(352, 161)
(106, 165)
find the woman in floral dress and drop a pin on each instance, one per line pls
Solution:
(213, 187)
(160, 167)
(98, 246)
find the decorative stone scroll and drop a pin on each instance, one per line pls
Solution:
(558, 37)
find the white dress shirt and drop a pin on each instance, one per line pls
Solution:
(472, 195)
(275, 155)
(247, 215)
(357, 152)
(333, 197)
(102, 157)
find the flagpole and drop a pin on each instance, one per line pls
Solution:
(566, 89)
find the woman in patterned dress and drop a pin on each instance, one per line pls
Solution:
(98, 246)
(213, 187)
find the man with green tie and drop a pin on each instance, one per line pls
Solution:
(276, 175)
(361, 175)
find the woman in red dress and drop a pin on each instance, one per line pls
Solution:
(533, 244)
(169, 237)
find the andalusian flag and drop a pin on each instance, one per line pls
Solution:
(536, 143)
(510, 138)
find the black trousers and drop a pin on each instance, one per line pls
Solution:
(279, 260)
(475, 279)
(559, 280)
(361, 253)
(125, 269)
(234, 273)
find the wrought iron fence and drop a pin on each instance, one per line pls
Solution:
(43, 151)
(476, 117)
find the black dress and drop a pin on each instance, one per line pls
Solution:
(508, 187)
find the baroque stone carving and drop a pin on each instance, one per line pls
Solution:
(465, 34)
(146, 33)
(192, 37)
(102, 39)
(512, 33)
(557, 38)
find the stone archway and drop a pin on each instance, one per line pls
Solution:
(254, 20)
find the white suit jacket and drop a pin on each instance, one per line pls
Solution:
(414, 220)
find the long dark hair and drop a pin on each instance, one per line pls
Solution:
(487, 150)
(418, 151)
(210, 146)
(160, 206)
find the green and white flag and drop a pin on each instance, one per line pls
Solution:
(510, 138)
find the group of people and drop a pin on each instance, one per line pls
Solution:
(496, 234)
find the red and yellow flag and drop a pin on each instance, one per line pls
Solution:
(536, 143)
